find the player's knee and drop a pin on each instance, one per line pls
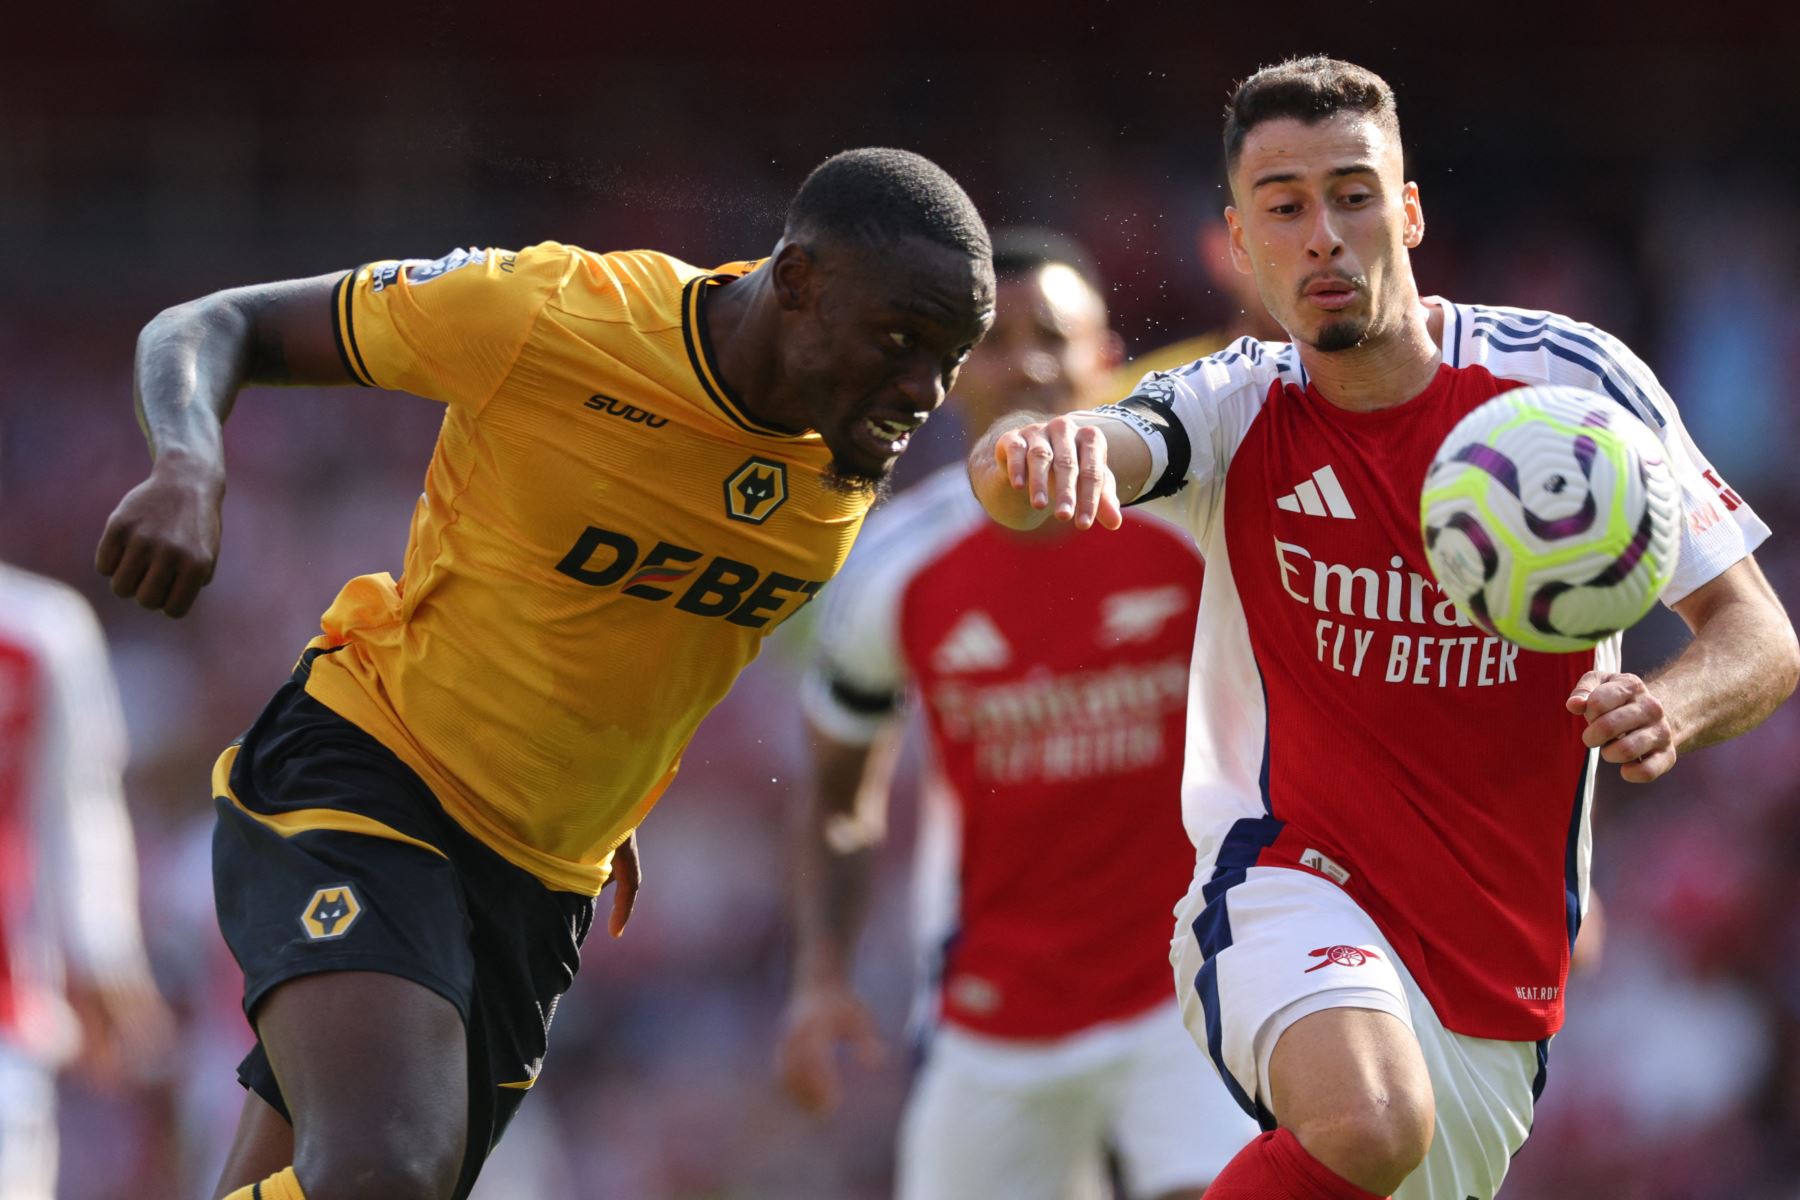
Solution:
(1375, 1143)
(372, 1171)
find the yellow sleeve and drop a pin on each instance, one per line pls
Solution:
(449, 329)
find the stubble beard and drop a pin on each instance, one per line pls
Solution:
(858, 483)
(1342, 335)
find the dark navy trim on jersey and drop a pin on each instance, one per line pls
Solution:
(1536, 334)
(861, 702)
(1150, 415)
(1262, 775)
(1453, 341)
(1572, 852)
(1243, 845)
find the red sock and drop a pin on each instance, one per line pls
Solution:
(1277, 1167)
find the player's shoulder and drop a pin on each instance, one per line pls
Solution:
(40, 609)
(1537, 346)
(649, 289)
(1243, 369)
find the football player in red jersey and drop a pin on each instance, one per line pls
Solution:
(1052, 843)
(1371, 784)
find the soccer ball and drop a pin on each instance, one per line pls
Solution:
(1551, 517)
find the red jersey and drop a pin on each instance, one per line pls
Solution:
(1347, 720)
(1056, 724)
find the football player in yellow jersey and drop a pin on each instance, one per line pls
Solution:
(644, 467)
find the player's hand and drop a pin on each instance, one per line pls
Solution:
(628, 875)
(1060, 465)
(127, 1030)
(1626, 722)
(162, 541)
(819, 1017)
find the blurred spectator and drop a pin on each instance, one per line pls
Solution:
(75, 985)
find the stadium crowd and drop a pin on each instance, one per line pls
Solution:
(1678, 1074)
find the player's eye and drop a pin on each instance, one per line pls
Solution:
(902, 339)
(1285, 210)
(1356, 199)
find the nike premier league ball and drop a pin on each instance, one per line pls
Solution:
(1551, 517)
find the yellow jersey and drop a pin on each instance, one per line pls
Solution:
(604, 540)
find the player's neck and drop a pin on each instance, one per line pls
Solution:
(739, 318)
(1384, 371)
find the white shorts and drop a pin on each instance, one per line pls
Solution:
(27, 1127)
(996, 1119)
(1285, 944)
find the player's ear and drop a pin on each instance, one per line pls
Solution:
(1240, 257)
(795, 274)
(1413, 231)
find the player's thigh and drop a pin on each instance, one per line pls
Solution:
(262, 1145)
(1329, 1065)
(367, 1059)
(1484, 1093)
(27, 1128)
(1173, 1124)
(1263, 953)
(979, 1127)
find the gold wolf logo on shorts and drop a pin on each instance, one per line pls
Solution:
(330, 913)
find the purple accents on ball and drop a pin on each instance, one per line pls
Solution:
(1488, 459)
(1470, 528)
(1541, 600)
(1626, 562)
(1506, 474)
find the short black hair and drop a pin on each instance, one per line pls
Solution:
(1022, 249)
(878, 195)
(1310, 89)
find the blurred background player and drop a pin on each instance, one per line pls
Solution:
(75, 985)
(1052, 844)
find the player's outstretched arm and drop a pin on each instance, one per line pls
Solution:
(834, 851)
(161, 542)
(1078, 467)
(1743, 662)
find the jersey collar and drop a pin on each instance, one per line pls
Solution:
(703, 359)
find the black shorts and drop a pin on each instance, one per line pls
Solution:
(330, 854)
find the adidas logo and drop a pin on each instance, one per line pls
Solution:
(973, 644)
(1320, 496)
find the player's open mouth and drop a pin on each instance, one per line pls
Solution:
(885, 437)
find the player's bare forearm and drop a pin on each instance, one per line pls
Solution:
(161, 543)
(1077, 467)
(193, 358)
(1741, 664)
(836, 834)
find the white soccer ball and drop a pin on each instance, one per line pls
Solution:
(1551, 517)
